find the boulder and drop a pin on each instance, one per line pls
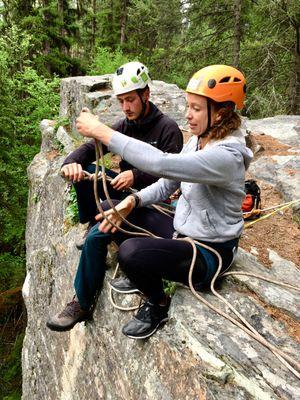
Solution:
(198, 354)
(281, 169)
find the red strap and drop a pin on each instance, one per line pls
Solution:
(248, 203)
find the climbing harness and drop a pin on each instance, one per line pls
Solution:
(277, 208)
(288, 361)
(252, 201)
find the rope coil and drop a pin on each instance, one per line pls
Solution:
(288, 361)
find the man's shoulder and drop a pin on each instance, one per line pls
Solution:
(119, 125)
(165, 120)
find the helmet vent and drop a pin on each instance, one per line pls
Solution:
(138, 71)
(211, 83)
(236, 80)
(119, 71)
(225, 79)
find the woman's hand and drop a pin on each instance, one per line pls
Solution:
(88, 124)
(124, 208)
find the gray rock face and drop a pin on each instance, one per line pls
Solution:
(285, 128)
(197, 355)
(281, 171)
(95, 93)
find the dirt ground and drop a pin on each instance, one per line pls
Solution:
(280, 232)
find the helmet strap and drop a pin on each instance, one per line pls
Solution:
(144, 105)
(208, 107)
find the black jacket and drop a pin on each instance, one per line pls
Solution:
(156, 129)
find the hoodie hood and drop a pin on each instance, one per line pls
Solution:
(237, 141)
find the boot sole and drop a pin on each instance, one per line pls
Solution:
(145, 336)
(129, 291)
(58, 328)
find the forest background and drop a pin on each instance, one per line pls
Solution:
(45, 40)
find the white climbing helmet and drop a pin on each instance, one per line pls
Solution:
(131, 76)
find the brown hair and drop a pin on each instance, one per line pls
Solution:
(227, 121)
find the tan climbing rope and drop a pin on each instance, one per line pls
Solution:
(288, 361)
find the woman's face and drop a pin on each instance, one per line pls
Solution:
(197, 113)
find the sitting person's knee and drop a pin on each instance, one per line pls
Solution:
(128, 253)
(106, 206)
(94, 234)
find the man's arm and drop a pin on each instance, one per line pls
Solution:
(79, 159)
(84, 155)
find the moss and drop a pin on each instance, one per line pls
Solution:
(11, 370)
(72, 209)
(169, 287)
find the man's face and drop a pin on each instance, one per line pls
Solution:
(131, 104)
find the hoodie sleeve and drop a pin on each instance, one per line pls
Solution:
(84, 155)
(158, 191)
(215, 166)
(170, 141)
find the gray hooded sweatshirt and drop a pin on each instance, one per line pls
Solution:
(211, 180)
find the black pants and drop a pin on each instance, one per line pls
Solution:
(146, 261)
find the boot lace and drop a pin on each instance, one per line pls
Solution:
(71, 309)
(145, 311)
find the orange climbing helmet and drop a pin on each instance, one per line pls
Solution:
(220, 83)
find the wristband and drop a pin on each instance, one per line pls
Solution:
(137, 200)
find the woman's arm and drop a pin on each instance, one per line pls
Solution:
(216, 166)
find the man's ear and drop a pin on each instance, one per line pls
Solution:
(146, 95)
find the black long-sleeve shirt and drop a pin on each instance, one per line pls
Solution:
(156, 129)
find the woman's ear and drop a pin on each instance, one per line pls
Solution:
(214, 112)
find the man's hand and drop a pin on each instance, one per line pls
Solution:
(124, 208)
(123, 181)
(72, 172)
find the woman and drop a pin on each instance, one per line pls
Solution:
(210, 172)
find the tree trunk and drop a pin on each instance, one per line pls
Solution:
(123, 21)
(237, 10)
(94, 27)
(6, 14)
(110, 21)
(295, 81)
(62, 31)
(46, 43)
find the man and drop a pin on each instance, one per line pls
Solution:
(144, 121)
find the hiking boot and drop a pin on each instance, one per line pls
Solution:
(147, 320)
(80, 242)
(123, 285)
(65, 320)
